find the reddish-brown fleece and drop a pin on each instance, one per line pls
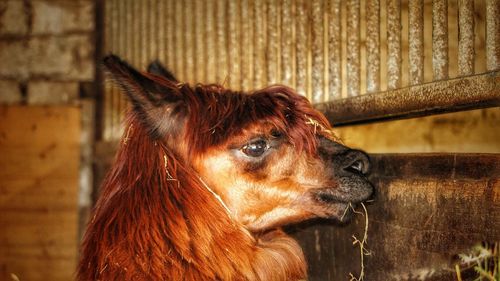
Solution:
(155, 219)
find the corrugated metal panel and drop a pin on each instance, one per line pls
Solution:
(416, 41)
(302, 43)
(440, 39)
(326, 49)
(334, 50)
(492, 34)
(287, 65)
(373, 45)
(466, 37)
(272, 41)
(317, 50)
(353, 48)
(393, 44)
(246, 45)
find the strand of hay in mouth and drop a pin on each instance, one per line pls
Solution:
(363, 251)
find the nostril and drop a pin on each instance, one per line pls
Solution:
(357, 162)
(358, 166)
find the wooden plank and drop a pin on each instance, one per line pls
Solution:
(474, 131)
(38, 269)
(38, 233)
(39, 162)
(429, 208)
(37, 126)
(29, 193)
(452, 95)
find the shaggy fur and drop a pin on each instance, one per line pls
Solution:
(156, 219)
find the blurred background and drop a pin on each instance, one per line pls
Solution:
(414, 83)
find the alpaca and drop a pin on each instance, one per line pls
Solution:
(205, 178)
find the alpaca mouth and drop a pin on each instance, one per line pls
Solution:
(338, 203)
(329, 198)
(352, 189)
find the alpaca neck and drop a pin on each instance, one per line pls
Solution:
(276, 255)
(156, 220)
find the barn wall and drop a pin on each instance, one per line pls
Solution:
(475, 131)
(431, 207)
(39, 173)
(47, 72)
(326, 50)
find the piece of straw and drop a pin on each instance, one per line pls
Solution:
(363, 251)
(328, 132)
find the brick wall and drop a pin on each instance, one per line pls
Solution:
(46, 50)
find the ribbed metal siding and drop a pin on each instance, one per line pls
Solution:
(326, 49)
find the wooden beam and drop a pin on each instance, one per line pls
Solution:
(464, 93)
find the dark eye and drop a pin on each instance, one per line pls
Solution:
(255, 148)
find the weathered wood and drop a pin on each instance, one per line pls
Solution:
(287, 43)
(39, 162)
(440, 58)
(492, 35)
(317, 51)
(353, 47)
(473, 131)
(372, 46)
(466, 37)
(326, 50)
(302, 26)
(471, 92)
(429, 208)
(394, 58)
(334, 50)
(416, 41)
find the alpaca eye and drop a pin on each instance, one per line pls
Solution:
(255, 148)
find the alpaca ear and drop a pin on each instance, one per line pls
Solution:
(156, 68)
(160, 107)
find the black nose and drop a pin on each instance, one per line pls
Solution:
(357, 162)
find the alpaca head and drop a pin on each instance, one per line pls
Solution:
(268, 154)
